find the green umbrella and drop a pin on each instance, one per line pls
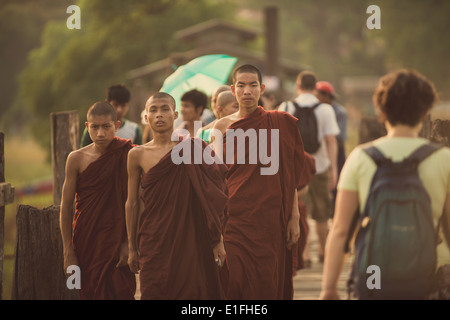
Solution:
(204, 73)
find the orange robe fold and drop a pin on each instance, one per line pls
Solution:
(259, 263)
(184, 208)
(99, 226)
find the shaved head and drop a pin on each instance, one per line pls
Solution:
(161, 95)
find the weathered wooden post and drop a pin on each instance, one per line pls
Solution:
(6, 196)
(38, 268)
(64, 139)
(370, 129)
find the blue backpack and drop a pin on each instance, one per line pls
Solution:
(395, 247)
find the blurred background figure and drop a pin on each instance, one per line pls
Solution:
(326, 94)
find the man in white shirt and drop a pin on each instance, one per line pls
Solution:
(318, 201)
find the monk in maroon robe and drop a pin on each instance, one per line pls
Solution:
(179, 248)
(263, 218)
(181, 223)
(96, 176)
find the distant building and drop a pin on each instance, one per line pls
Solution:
(215, 36)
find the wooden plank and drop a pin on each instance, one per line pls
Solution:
(64, 139)
(2, 212)
(39, 273)
(440, 132)
(6, 194)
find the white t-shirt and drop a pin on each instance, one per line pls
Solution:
(326, 121)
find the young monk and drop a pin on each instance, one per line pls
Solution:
(180, 248)
(263, 215)
(226, 104)
(95, 237)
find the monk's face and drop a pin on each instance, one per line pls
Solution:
(160, 114)
(102, 129)
(247, 89)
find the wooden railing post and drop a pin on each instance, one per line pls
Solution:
(6, 196)
(38, 268)
(2, 212)
(440, 132)
(64, 139)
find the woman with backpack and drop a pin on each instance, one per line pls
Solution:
(403, 99)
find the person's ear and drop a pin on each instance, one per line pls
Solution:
(117, 125)
(87, 125)
(219, 109)
(233, 90)
(263, 88)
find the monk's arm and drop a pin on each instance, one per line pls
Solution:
(66, 210)
(132, 207)
(293, 226)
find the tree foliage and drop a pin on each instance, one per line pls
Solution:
(72, 68)
(21, 25)
(415, 34)
(332, 37)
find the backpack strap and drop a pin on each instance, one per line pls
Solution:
(375, 154)
(297, 106)
(423, 152)
(417, 156)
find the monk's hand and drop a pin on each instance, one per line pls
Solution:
(123, 255)
(219, 253)
(133, 261)
(70, 259)
(292, 232)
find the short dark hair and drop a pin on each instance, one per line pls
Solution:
(102, 108)
(198, 98)
(247, 68)
(162, 95)
(307, 80)
(404, 96)
(118, 93)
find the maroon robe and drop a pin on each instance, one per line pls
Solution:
(260, 265)
(184, 208)
(99, 226)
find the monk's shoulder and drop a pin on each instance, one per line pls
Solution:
(75, 156)
(223, 123)
(284, 116)
(79, 159)
(136, 152)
